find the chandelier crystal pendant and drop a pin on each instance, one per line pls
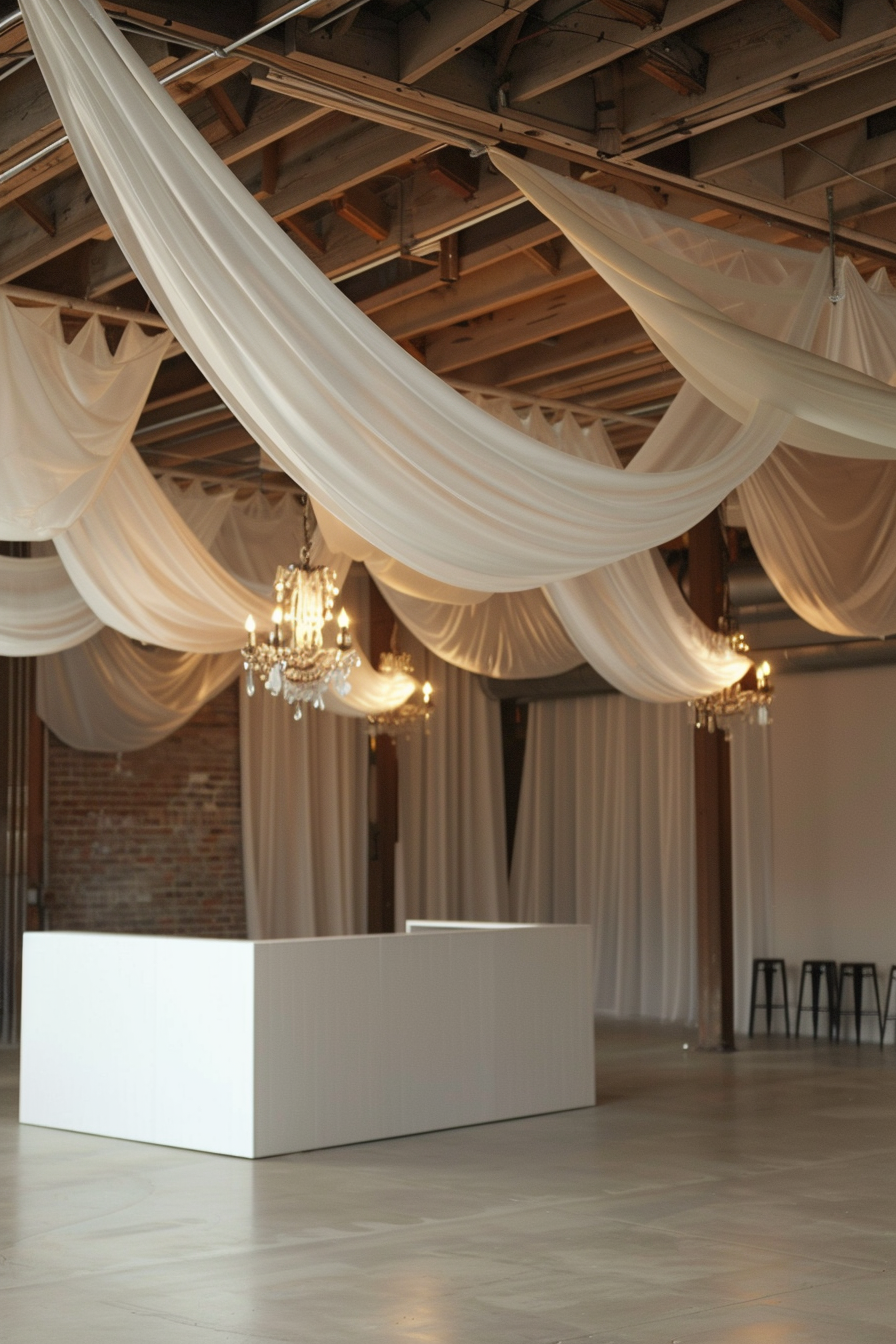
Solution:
(293, 661)
(415, 713)
(746, 701)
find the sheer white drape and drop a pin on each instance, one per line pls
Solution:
(451, 859)
(605, 835)
(67, 412)
(304, 819)
(420, 473)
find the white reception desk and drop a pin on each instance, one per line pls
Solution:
(257, 1048)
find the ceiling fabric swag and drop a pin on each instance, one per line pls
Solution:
(67, 411)
(407, 463)
(736, 318)
(628, 619)
(111, 694)
(41, 610)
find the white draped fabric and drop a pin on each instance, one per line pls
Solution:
(451, 860)
(67, 412)
(110, 694)
(41, 611)
(304, 818)
(605, 835)
(627, 619)
(419, 472)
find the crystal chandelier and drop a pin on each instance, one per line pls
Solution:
(414, 713)
(293, 661)
(746, 701)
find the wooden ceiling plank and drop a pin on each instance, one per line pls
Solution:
(755, 48)
(520, 324)
(584, 345)
(468, 264)
(484, 292)
(825, 16)
(428, 38)
(811, 114)
(589, 41)
(844, 154)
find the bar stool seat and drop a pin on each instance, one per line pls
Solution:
(857, 972)
(768, 968)
(818, 973)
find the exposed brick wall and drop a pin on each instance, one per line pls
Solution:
(149, 841)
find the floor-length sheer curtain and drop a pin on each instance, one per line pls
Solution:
(451, 859)
(304, 810)
(605, 835)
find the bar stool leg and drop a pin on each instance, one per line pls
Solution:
(784, 998)
(833, 1002)
(769, 969)
(799, 999)
(753, 996)
(884, 1019)
(816, 995)
(877, 1000)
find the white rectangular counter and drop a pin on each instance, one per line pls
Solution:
(258, 1048)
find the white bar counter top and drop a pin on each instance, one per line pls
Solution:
(258, 1048)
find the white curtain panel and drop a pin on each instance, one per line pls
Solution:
(406, 462)
(304, 821)
(67, 412)
(605, 836)
(451, 860)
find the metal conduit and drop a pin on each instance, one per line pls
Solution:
(211, 54)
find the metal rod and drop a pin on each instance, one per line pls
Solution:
(214, 53)
(182, 419)
(337, 14)
(10, 21)
(830, 199)
(82, 307)
(17, 65)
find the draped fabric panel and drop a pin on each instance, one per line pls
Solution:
(304, 819)
(420, 472)
(110, 694)
(67, 413)
(451, 857)
(41, 611)
(627, 619)
(605, 835)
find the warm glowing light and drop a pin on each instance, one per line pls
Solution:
(278, 615)
(342, 620)
(427, 692)
(250, 624)
(765, 669)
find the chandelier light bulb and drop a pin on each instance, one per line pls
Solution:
(427, 692)
(250, 630)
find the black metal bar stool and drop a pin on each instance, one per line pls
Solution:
(818, 973)
(768, 967)
(858, 972)
(887, 1016)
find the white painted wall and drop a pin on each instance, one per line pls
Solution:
(833, 781)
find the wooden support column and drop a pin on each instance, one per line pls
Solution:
(712, 797)
(383, 791)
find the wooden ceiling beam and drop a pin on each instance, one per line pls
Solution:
(486, 291)
(756, 53)
(571, 349)
(586, 41)
(520, 324)
(809, 115)
(428, 38)
(825, 16)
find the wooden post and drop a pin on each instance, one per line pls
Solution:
(712, 797)
(383, 796)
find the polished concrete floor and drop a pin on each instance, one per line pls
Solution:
(745, 1199)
